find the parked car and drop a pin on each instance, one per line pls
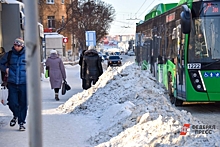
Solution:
(117, 53)
(114, 60)
(131, 53)
(101, 56)
(105, 57)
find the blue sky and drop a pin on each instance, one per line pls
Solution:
(131, 9)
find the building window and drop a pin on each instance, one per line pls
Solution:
(62, 1)
(50, 1)
(51, 21)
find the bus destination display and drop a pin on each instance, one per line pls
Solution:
(211, 8)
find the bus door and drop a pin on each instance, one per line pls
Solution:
(180, 90)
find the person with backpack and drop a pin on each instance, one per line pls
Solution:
(14, 65)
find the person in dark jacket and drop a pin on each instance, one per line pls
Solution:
(80, 63)
(91, 66)
(57, 72)
(16, 82)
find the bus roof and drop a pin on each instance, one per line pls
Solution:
(159, 9)
(186, 1)
(162, 8)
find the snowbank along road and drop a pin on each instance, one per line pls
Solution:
(132, 109)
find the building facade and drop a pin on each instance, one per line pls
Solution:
(52, 14)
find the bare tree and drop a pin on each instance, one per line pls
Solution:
(84, 16)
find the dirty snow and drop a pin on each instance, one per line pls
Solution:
(132, 109)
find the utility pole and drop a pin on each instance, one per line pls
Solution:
(33, 73)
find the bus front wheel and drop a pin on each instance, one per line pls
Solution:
(178, 102)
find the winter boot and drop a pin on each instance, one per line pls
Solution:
(57, 96)
(21, 127)
(13, 121)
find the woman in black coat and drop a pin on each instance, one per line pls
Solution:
(91, 67)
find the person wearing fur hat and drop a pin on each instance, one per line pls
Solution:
(14, 65)
(91, 67)
(57, 72)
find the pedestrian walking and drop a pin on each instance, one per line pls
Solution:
(57, 72)
(91, 67)
(80, 63)
(15, 69)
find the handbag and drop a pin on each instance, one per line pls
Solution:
(4, 95)
(5, 81)
(65, 87)
(47, 72)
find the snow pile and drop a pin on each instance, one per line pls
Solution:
(132, 109)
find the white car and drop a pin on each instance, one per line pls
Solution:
(131, 53)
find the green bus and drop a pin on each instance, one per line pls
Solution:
(181, 44)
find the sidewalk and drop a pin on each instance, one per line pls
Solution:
(56, 132)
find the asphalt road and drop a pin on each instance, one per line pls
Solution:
(208, 113)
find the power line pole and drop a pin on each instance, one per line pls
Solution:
(33, 73)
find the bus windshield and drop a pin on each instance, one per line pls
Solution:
(204, 38)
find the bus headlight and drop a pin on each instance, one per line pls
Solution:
(199, 86)
(194, 75)
(196, 80)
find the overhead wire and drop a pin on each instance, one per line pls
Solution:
(146, 8)
(141, 7)
(124, 29)
(130, 23)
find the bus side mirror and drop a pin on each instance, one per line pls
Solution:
(185, 17)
